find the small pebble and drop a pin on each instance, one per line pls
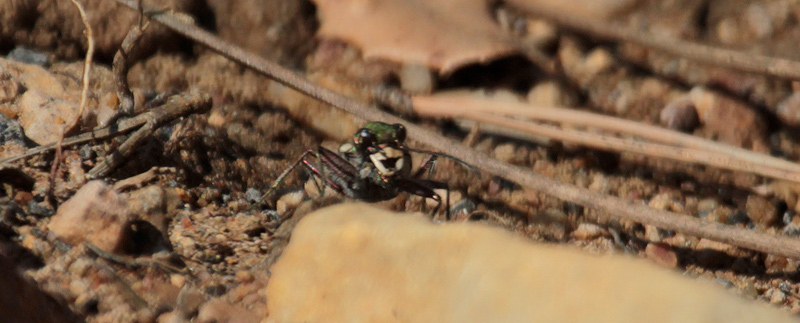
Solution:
(680, 115)
(29, 56)
(598, 60)
(777, 265)
(244, 276)
(707, 204)
(729, 119)
(86, 152)
(9, 90)
(788, 111)
(750, 291)
(776, 296)
(177, 280)
(788, 216)
(11, 130)
(662, 254)
(758, 20)
(724, 282)
(462, 209)
(666, 201)
(728, 31)
(38, 210)
(792, 229)
(586, 231)
(600, 184)
(23, 197)
(551, 94)
(541, 32)
(252, 195)
(186, 243)
(651, 233)
(761, 211)
(289, 201)
(505, 152)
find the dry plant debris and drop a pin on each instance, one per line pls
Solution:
(676, 145)
(443, 35)
(218, 162)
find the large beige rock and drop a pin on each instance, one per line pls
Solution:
(356, 263)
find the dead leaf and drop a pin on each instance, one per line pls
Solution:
(443, 34)
(589, 9)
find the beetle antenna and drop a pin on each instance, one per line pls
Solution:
(465, 164)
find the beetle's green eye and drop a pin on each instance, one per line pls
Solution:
(400, 132)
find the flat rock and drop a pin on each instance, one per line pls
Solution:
(36, 78)
(95, 214)
(356, 263)
(42, 117)
(42, 104)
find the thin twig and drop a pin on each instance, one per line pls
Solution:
(692, 148)
(120, 68)
(747, 62)
(138, 180)
(185, 105)
(136, 301)
(132, 262)
(177, 106)
(613, 206)
(87, 65)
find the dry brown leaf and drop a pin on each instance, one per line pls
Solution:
(590, 9)
(442, 34)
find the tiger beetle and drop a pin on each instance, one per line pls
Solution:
(374, 166)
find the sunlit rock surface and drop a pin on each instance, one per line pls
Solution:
(357, 263)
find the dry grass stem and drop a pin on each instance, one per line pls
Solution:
(674, 145)
(635, 146)
(87, 65)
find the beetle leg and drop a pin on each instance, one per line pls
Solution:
(285, 173)
(341, 175)
(429, 164)
(425, 188)
(440, 185)
(316, 174)
(337, 172)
